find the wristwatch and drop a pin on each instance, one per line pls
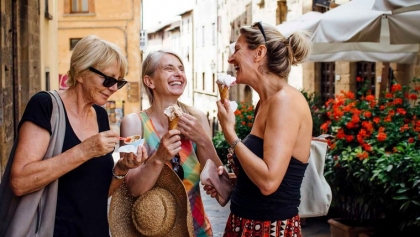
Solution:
(231, 149)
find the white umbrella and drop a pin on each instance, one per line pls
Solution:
(355, 31)
(366, 17)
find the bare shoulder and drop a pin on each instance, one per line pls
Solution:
(130, 118)
(198, 113)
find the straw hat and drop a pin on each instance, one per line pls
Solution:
(162, 211)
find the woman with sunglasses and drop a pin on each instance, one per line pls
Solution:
(85, 169)
(185, 149)
(272, 159)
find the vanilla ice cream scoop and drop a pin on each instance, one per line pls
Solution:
(225, 79)
(224, 82)
(173, 113)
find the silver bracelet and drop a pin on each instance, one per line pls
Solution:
(231, 149)
(118, 176)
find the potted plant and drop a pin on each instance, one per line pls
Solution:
(373, 164)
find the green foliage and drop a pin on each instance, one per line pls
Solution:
(373, 164)
(317, 110)
(244, 116)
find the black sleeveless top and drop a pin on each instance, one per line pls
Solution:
(82, 199)
(247, 201)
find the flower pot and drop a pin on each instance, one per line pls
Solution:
(339, 229)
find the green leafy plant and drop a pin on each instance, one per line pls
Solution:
(373, 164)
(244, 116)
(318, 111)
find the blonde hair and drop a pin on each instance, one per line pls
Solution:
(282, 52)
(91, 51)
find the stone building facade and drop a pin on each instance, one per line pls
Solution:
(116, 21)
(28, 57)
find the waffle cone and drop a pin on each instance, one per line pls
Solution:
(224, 92)
(174, 123)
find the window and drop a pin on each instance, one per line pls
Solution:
(281, 11)
(365, 73)
(73, 42)
(214, 82)
(79, 6)
(196, 80)
(47, 79)
(213, 34)
(204, 81)
(327, 81)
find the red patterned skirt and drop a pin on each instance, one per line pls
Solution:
(241, 227)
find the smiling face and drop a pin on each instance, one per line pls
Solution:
(169, 78)
(92, 84)
(243, 60)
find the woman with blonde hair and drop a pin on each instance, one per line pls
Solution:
(164, 81)
(85, 167)
(272, 159)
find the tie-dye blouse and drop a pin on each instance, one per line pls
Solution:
(191, 166)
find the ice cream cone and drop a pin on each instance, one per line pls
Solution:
(174, 123)
(224, 92)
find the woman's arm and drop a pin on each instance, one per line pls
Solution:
(124, 164)
(144, 177)
(198, 131)
(280, 121)
(30, 172)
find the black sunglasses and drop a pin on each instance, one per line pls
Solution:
(109, 81)
(177, 167)
(259, 24)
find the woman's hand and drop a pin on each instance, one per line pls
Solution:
(131, 160)
(226, 118)
(100, 144)
(169, 146)
(210, 190)
(191, 128)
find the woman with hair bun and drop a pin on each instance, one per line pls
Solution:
(272, 159)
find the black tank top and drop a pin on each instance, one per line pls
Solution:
(247, 201)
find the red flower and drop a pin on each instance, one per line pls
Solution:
(381, 136)
(367, 147)
(396, 87)
(413, 96)
(349, 138)
(398, 101)
(401, 111)
(367, 114)
(370, 98)
(362, 155)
